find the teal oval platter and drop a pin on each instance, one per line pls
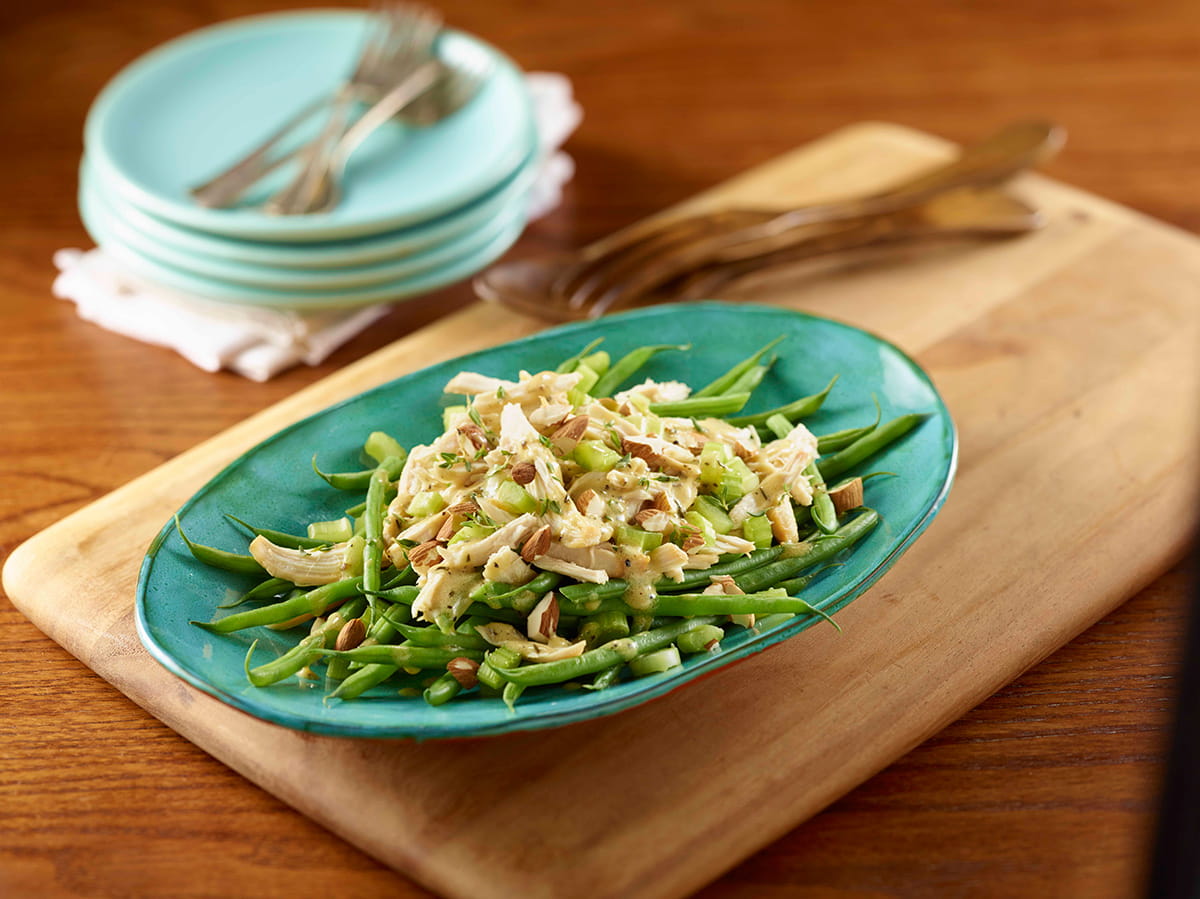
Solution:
(184, 111)
(213, 250)
(489, 244)
(273, 486)
(108, 228)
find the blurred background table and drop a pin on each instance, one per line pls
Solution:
(1047, 789)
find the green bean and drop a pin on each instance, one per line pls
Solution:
(512, 692)
(867, 446)
(760, 603)
(800, 408)
(507, 596)
(605, 678)
(727, 380)
(805, 555)
(268, 589)
(824, 515)
(594, 660)
(750, 380)
(794, 585)
(306, 651)
(831, 443)
(405, 577)
(373, 549)
(219, 558)
(362, 680)
(779, 426)
(703, 406)
(586, 599)
(569, 365)
(280, 538)
(406, 595)
(357, 480)
(431, 636)
(405, 656)
(314, 602)
(624, 368)
(442, 690)
(357, 510)
(605, 626)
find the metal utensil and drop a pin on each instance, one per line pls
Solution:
(578, 283)
(411, 68)
(375, 72)
(447, 90)
(527, 286)
(748, 232)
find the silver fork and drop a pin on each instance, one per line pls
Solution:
(374, 74)
(439, 89)
(408, 61)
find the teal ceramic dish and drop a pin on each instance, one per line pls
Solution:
(186, 110)
(489, 244)
(274, 486)
(163, 261)
(212, 250)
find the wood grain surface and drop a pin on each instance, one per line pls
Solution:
(1046, 789)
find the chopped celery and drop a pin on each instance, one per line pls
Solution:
(711, 510)
(656, 662)
(589, 379)
(331, 531)
(737, 481)
(453, 416)
(714, 457)
(598, 362)
(512, 497)
(425, 504)
(627, 535)
(593, 455)
(706, 527)
(471, 531)
(380, 445)
(757, 529)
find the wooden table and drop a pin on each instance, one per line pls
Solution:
(1049, 788)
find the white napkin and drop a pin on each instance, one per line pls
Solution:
(255, 342)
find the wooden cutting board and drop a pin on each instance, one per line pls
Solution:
(1069, 361)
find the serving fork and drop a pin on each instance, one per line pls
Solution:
(655, 258)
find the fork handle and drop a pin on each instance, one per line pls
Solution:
(224, 189)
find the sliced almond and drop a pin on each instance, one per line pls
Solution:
(474, 433)
(652, 520)
(425, 555)
(727, 584)
(463, 509)
(351, 634)
(639, 449)
(847, 496)
(542, 623)
(536, 544)
(446, 531)
(464, 671)
(524, 473)
(590, 503)
(662, 502)
(569, 433)
(693, 541)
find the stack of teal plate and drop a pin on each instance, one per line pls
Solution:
(422, 206)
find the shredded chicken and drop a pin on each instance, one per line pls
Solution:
(515, 461)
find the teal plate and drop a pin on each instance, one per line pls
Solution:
(204, 275)
(214, 251)
(186, 110)
(487, 245)
(274, 486)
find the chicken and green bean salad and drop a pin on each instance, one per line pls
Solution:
(575, 527)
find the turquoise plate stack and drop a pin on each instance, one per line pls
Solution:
(422, 207)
